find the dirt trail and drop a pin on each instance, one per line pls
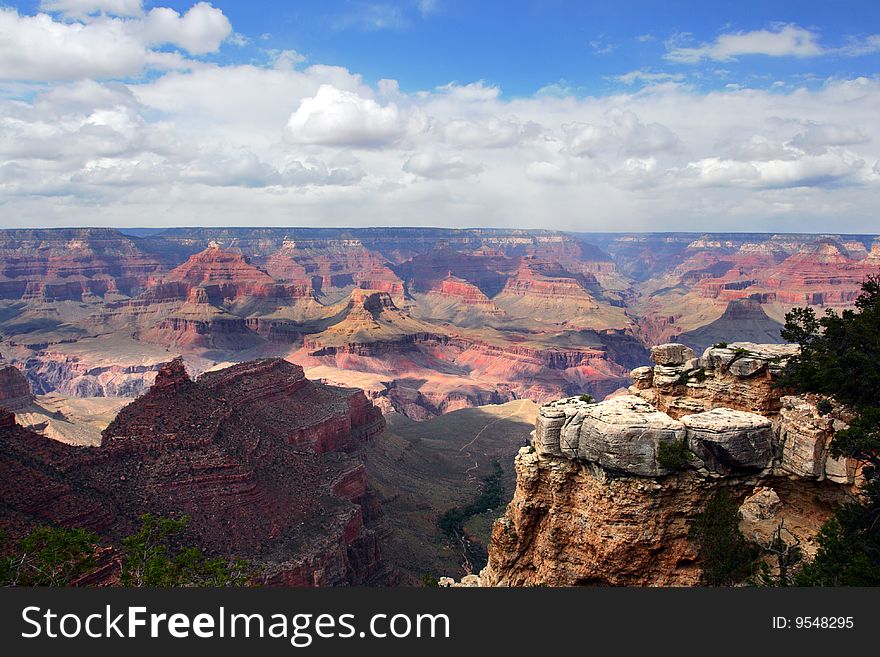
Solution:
(469, 471)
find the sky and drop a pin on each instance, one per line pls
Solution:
(587, 116)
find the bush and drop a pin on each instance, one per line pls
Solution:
(726, 557)
(674, 454)
(50, 556)
(587, 398)
(824, 406)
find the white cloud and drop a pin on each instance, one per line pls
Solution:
(430, 165)
(859, 46)
(66, 50)
(39, 47)
(80, 8)
(200, 30)
(817, 137)
(217, 143)
(489, 132)
(338, 117)
(808, 171)
(648, 77)
(286, 60)
(781, 41)
(625, 135)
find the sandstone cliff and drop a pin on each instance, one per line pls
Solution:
(595, 504)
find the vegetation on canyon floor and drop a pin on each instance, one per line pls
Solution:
(452, 522)
(151, 557)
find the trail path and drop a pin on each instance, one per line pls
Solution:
(470, 470)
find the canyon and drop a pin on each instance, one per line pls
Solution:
(424, 320)
(264, 462)
(316, 399)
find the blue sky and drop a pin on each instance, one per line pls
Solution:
(582, 115)
(523, 46)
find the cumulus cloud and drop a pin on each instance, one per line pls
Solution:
(200, 30)
(489, 132)
(780, 41)
(338, 117)
(626, 135)
(104, 47)
(810, 171)
(430, 165)
(817, 137)
(223, 143)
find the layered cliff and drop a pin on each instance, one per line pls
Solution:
(262, 460)
(596, 502)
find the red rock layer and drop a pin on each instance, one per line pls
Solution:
(67, 264)
(219, 451)
(15, 391)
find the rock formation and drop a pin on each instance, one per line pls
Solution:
(597, 504)
(15, 392)
(263, 461)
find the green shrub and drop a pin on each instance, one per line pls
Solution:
(726, 557)
(674, 454)
(587, 398)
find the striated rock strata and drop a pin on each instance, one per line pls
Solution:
(263, 461)
(596, 504)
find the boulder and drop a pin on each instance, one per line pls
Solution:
(643, 377)
(726, 439)
(745, 359)
(665, 375)
(762, 504)
(621, 434)
(804, 434)
(671, 353)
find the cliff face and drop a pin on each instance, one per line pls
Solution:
(15, 392)
(262, 460)
(596, 505)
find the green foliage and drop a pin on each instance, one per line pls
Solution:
(726, 556)
(587, 398)
(49, 556)
(720, 345)
(452, 522)
(840, 353)
(824, 406)
(153, 558)
(840, 357)
(674, 454)
(429, 581)
(55, 556)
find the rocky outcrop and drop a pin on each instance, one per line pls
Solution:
(224, 450)
(739, 376)
(622, 434)
(15, 391)
(599, 500)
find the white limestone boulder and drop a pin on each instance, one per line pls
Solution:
(727, 440)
